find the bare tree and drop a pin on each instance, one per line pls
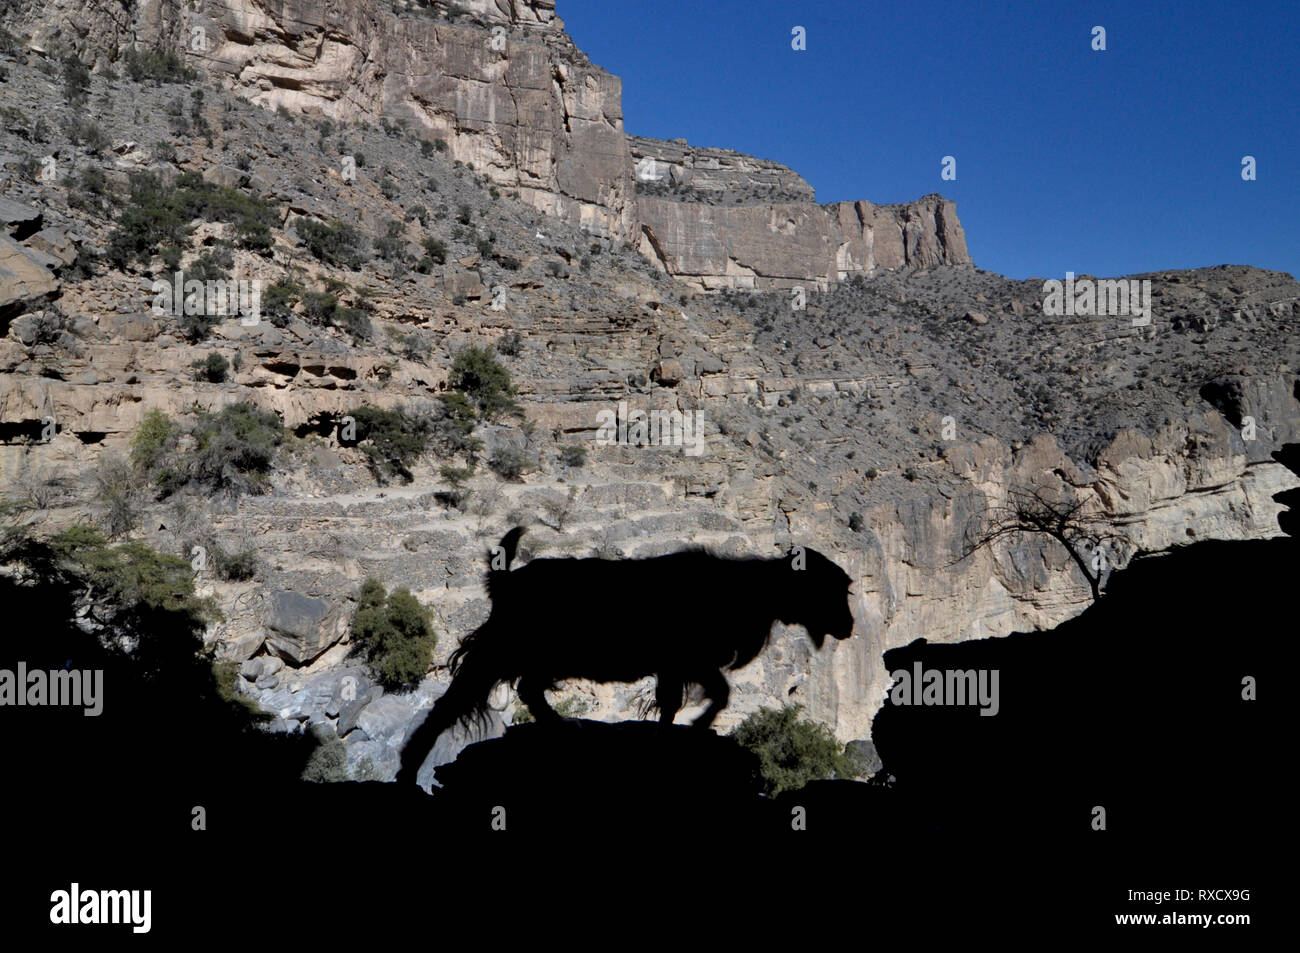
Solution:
(1091, 542)
(119, 493)
(42, 488)
(560, 509)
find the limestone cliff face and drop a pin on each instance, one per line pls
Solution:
(1193, 480)
(796, 243)
(713, 175)
(503, 84)
(812, 419)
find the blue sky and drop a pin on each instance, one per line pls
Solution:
(1110, 163)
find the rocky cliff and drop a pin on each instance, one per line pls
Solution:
(714, 218)
(499, 81)
(502, 84)
(875, 425)
(768, 246)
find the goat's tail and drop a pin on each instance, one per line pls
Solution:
(465, 702)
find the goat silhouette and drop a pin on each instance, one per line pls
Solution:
(684, 617)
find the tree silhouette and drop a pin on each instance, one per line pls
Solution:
(1091, 543)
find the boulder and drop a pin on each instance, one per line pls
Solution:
(17, 218)
(299, 626)
(867, 756)
(373, 758)
(24, 280)
(464, 283)
(388, 719)
(224, 175)
(240, 646)
(131, 327)
(670, 372)
(56, 244)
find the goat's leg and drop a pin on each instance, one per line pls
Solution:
(532, 692)
(718, 691)
(668, 697)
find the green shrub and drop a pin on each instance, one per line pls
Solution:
(485, 382)
(435, 249)
(278, 301)
(355, 321)
(156, 216)
(509, 463)
(510, 344)
(236, 567)
(9, 44)
(335, 243)
(76, 80)
(573, 455)
(453, 425)
(132, 573)
(328, 760)
(323, 309)
(391, 245)
(119, 494)
(151, 217)
(212, 264)
(390, 439)
(234, 449)
(456, 476)
(413, 347)
(318, 307)
(793, 751)
(93, 192)
(226, 675)
(212, 369)
(571, 707)
(161, 66)
(153, 447)
(86, 132)
(393, 632)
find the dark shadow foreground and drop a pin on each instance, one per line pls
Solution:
(1135, 706)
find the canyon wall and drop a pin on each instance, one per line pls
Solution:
(781, 245)
(814, 419)
(505, 87)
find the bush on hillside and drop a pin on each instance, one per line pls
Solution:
(485, 382)
(390, 439)
(793, 751)
(393, 632)
(155, 217)
(335, 243)
(234, 448)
